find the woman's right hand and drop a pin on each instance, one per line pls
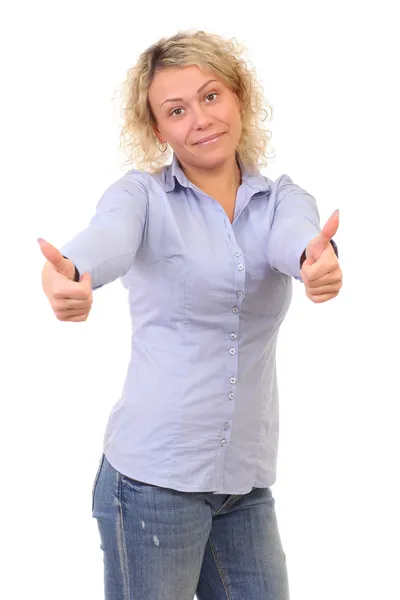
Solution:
(69, 299)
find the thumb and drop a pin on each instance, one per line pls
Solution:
(54, 256)
(86, 281)
(318, 244)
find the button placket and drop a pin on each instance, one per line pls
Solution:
(238, 294)
(239, 283)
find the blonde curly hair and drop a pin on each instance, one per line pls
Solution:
(210, 52)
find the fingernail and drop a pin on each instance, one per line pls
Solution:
(40, 240)
(336, 213)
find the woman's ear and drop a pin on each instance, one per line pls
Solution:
(158, 135)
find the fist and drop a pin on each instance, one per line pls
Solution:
(321, 272)
(69, 299)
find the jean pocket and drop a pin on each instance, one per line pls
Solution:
(96, 479)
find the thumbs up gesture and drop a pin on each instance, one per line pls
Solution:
(70, 300)
(320, 271)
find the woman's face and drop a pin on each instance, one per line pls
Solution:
(190, 104)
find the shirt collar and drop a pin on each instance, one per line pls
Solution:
(253, 180)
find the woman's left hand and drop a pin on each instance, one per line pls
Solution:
(320, 271)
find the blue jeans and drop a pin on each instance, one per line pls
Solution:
(162, 544)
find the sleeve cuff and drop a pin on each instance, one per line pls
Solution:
(77, 276)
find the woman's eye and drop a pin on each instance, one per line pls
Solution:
(174, 112)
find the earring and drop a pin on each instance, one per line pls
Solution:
(159, 144)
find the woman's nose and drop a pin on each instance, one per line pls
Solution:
(201, 117)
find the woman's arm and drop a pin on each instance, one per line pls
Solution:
(107, 247)
(295, 223)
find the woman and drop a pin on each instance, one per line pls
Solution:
(207, 247)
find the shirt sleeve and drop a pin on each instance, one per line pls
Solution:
(295, 223)
(107, 247)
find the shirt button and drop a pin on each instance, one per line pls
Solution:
(239, 294)
(231, 395)
(223, 442)
(226, 426)
(232, 351)
(233, 380)
(233, 336)
(235, 309)
(240, 267)
(238, 253)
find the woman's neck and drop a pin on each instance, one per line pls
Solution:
(222, 181)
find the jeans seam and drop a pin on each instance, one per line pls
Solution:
(219, 568)
(122, 545)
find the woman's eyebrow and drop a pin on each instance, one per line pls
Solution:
(181, 99)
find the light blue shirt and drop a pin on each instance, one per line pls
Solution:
(199, 406)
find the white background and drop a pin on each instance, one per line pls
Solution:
(329, 69)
